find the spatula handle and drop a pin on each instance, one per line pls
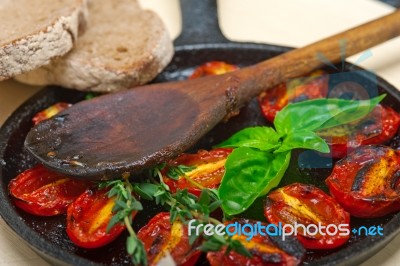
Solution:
(297, 62)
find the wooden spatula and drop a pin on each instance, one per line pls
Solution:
(137, 128)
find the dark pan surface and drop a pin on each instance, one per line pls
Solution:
(47, 235)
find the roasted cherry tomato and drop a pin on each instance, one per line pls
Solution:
(160, 237)
(263, 249)
(378, 127)
(366, 182)
(88, 217)
(212, 68)
(50, 112)
(209, 167)
(308, 205)
(296, 90)
(42, 192)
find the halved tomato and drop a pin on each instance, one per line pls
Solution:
(366, 182)
(88, 217)
(296, 90)
(160, 237)
(212, 68)
(40, 191)
(50, 112)
(378, 127)
(264, 250)
(208, 169)
(321, 222)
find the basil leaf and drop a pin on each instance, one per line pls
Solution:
(305, 140)
(349, 116)
(250, 173)
(321, 113)
(262, 138)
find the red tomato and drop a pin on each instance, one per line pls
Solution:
(212, 68)
(308, 205)
(263, 250)
(366, 182)
(50, 112)
(208, 171)
(42, 192)
(296, 90)
(160, 237)
(88, 218)
(378, 127)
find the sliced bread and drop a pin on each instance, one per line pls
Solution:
(123, 46)
(33, 32)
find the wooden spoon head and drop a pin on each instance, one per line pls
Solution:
(123, 132)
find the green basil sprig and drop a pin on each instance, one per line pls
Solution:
(305, 140)
(250, 173)
(262, 154)
(261, 138)
(322, 113)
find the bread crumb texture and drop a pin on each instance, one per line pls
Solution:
(34, 32)
(123, 46)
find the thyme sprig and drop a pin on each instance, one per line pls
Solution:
(125, 205)
(186, 206)
(182, 205)
(177, 171)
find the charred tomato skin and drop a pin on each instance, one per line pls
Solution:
(296, 90)
(307, 204)
(378, 127)
(366, 182)
(264, 250)
(88, 217)
(212, 68)
(160, 236)
(42, 192)
(208, 172)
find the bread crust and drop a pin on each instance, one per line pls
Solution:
(91, 66)
(29, 52)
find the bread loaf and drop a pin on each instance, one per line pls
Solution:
(33, 32)
(123, 46)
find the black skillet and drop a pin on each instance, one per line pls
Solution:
(200, 42)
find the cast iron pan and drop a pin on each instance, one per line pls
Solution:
(200, 42)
